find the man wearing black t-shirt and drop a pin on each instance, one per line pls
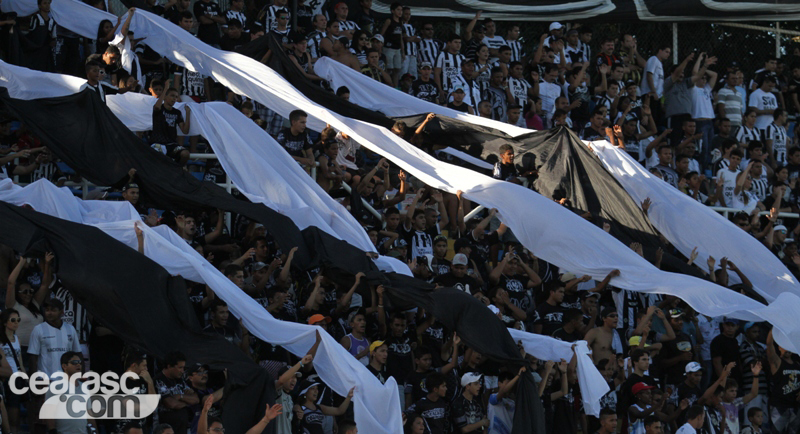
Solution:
(457, 277)
(640, 360)
(378, 353)
(137, 364)
(508, 275)
(296, 141)
(166, 120)
(677, 353)
(176, 395)
(235, 38)
(573, 323)
(400, 361)
(504, 169)
(595, 131)
(468, 413)
(668, 174)
(550, 313)
(688, 389)
(433, 407)
(424, 87)
(725, 349)
(209, 15)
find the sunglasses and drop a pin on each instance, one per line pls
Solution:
(14, 319)
(74, 362)
(743, 224)
(26, 291)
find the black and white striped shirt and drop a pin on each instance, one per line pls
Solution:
(746, 135)
(473, 93)
(584, 48)
(271, 19)
(410, 47)
(517, 52)
(236, 15)
(777, 134)
(74, 314)
(573, 54)
(314, 41)
(192, 83)
(760, 187)
(602, 99)
(451, 68)
(429, 50)
(519, 89)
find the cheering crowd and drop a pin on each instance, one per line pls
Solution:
(704, 128)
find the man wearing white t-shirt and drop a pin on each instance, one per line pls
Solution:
(703, 109)
(52, 338)
(653, 80)
(695, 417)
(728, 176)
(764, 102)
(549, 90)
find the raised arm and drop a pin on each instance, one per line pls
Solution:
(509, 385)
(341, 409)
(11, 289)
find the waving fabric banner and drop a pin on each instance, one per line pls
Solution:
(333, 363)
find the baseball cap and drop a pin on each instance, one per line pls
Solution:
(693, 367)
(630, 83)
(479, 28)
(286, 368)
(634, 341)
(779, 228)
(129, 186)
(425, 65)
(298, 37)
(400, 243)
(54, 302)
(457, 88)
(608, 311)
(197, 367)
(729, 320)
(378, 37)
(555, 25)
(587, 294)
(748, 325)
(566, 277)
(373, 346)
(639, 387)
(469, 378)
(307, 385)
(675, 313)
(735, 65)
(258, 265)
(313, 319)
(460, 259)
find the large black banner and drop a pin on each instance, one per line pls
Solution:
(606, 10)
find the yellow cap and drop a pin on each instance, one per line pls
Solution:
(374, 345)
(635, 340)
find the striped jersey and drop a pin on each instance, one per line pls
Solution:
(410, 47)
(746, 135)
(271, 19)
(451, 68)
(473, 92)
(37, 21)
(74, 314)
(429, 50)
(777, 134)
(519, 89)
(192, 83)
(584, 48)
(314, 41)
(517, 51)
